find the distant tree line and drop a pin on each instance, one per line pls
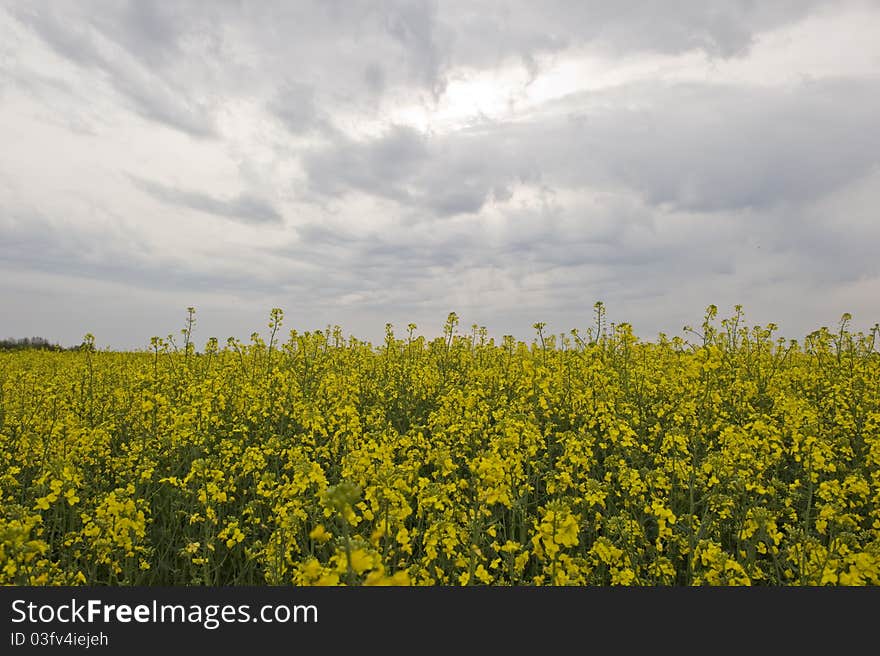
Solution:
(22, 343)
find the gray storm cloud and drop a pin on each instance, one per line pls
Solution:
(244, 208)
(362, 162)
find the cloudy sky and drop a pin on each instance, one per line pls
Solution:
(358, 163)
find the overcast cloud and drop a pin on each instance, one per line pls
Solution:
(358, 163)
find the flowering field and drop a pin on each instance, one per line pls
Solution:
(723, 457)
